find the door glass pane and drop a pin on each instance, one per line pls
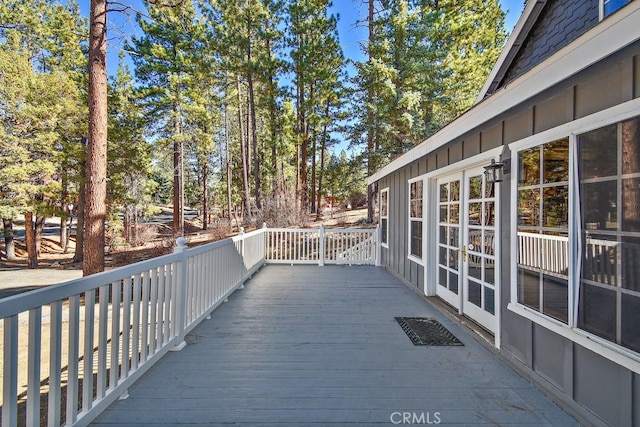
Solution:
(475, 293)
(443, 235)
(453, 282)
(489, 214)
(489, 300)
(455, 191)
(453, 258)
(475, 187)
(455, 214)
(453, 236)
(475, 266)
(489, 246)
(442, 277)
(444, 192)
(598, 153)
(489, 271)
(475, 241)
(443, 255)
(443, 214)
(475, 213)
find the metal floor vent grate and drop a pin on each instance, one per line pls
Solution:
(427, 331)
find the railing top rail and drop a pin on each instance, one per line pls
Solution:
(326, 230)
(19, 303)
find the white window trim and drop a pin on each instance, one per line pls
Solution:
(410, 256)
(610, 350)
(385, 190)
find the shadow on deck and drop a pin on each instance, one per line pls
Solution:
(306, 346)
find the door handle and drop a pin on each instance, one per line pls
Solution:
(464, 253)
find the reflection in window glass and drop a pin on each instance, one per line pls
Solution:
(384, 216)
(543, 221)
(598, 153)
(416, 238)
(610, 6)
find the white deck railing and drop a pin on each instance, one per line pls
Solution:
(80, 345)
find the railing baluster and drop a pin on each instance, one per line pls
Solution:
(55, 362)
(10, 372)
(103, 307)
(153, 308)
(89, 331)
(135, 322)
(33, 384)
(144, 318)
(115, 333)
(72, 361)
(126, 326)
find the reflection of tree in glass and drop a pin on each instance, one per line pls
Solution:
(631, 164)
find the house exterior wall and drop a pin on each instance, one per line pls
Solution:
(560, 22)
(596, 389)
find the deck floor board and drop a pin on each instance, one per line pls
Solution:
(319, 346)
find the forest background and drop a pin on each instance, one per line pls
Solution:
(246, 110)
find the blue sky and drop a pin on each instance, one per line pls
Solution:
(349, 11)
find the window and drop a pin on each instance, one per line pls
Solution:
(543, 228)
(607, 7)
(609, 188)
(384, 217)
(415, 219)
(597, 289)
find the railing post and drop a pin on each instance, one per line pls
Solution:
(378, 245)
(321, 257)
(241, 233)
(181, 292)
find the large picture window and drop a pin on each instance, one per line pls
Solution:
(415, 218)
(609, 181)
(543, 233)
(384, 217)
(597, 289)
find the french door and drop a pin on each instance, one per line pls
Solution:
(466, 245)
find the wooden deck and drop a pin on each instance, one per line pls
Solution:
(310, 346)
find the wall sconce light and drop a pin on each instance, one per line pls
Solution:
(495, 171)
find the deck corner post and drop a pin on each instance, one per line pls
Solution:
(322, 246)
(181, 293)
(378, 245)
(241, 234)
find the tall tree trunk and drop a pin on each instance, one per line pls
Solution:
(314, 144)
(9, 243)
(370, 133)
(205, 195)
(30, 241)
(96, 185)
(79, 252)
(64, 231)
(323, 147)
(228, 160)
(243, 153)
(254, 132)
(40, 220)
(178, 178)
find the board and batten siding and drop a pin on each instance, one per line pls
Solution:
(592, 387)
